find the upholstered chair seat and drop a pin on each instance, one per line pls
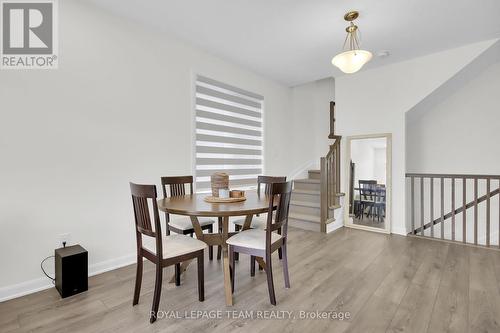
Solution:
(174, 245)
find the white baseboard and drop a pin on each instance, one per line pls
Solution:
(32, 286)
(24, 288)
(331, 227)
(399, 231)
(109, 265)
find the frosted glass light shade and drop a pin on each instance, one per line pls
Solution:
(351, 61)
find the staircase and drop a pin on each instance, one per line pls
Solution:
(305, 206)
(316, 199)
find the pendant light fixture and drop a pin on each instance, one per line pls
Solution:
(352, 59)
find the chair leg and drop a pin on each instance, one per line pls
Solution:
(138, 280)
(201, 277)
(219, 248)
(270, 282)
(211, 248)
(285, 266)
(157, 293)
(178, 274)
(252, 265)
(280, 255)
(236, 254)
(232, 266)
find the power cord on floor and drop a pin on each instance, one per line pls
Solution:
(43, 270)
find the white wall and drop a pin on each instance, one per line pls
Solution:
(460, 134)
(369, 157)
(310, 127)
(362, 155)
(380, 165)
(375, 101)
(118, 109)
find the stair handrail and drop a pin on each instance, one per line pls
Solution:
(330, 174)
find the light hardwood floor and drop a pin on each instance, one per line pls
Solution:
(368, 221)
(387, 284)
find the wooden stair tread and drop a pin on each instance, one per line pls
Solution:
(305, 217)
(305, 203)
(307, 180)
(299, 191)
(330, 220)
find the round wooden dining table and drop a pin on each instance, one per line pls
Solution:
(195, 206)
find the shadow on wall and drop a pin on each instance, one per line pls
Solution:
(453, 84)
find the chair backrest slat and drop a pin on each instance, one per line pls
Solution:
(140, 196)
(367, 189)
(176, 185)
(281, 194)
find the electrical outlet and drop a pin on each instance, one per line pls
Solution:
(64, 239)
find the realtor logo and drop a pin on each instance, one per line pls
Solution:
(29, 34)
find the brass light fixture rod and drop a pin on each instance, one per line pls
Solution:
(352, 30)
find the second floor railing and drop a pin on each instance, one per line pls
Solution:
(455, 207)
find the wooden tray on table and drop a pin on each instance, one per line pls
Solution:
(213, 199)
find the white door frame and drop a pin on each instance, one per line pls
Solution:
(388, 174)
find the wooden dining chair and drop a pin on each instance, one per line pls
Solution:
(182, 224)
(161, 250)
(366, 196)
(259, 222)
(260, 243)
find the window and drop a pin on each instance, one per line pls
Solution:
(228, 134)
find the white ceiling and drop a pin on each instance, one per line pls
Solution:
(293, 41)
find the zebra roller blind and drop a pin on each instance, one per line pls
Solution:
(228, 134)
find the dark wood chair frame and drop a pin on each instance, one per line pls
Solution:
(380, 202)
(280, 193)
(267, 181)
(143, 226)
(366, 196)
(177, 187)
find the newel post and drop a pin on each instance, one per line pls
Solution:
(332, 120)
(323, 195)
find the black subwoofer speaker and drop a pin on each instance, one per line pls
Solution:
(71, 270)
